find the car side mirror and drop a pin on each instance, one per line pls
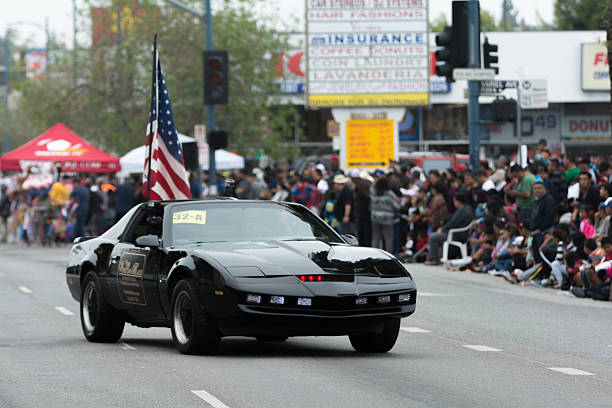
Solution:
(148, 241)
(350, 239)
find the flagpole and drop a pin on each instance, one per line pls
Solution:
(153, 87)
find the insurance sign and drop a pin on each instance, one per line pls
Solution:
(367, 53)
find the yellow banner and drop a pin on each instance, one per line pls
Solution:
(369, 99)
(369, 143)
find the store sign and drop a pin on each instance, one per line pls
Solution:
(367, 53)
(536, 124)
(370, 143)
(587, 126)
(36, 64)
(595, 67)
(290, 71)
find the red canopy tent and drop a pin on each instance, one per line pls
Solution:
(60, 144)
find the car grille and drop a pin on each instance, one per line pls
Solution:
(336, 306)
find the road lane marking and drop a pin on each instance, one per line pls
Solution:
(569, 371)
(25, 289)
(126, 346)
(428, 294)
(414, 330)
(480, 347)
(210, 399)
(64, 311)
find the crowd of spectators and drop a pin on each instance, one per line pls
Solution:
(547, 224)
(70, 207)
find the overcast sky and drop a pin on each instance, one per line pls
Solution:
(59, 13)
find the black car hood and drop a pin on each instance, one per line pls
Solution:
(276, 258)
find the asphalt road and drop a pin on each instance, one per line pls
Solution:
(474, 341)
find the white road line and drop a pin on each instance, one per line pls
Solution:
(414, 330)
(210, 399)
(25, 289)
(64, 311)
(479, 347)
(126, 346)
(427, 294)
(569, 371)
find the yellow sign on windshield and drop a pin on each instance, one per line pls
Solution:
(189, 217)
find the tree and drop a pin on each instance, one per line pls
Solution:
(487, 21)
(579, 14)
(437, 25)
(110, 103)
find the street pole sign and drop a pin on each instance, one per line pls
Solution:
(474, 74)
(496, 87)
(533, 94)
(367, 53)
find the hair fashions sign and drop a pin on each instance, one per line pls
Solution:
(595, 67)
(367, 53)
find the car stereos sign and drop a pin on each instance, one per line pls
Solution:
(367, 52)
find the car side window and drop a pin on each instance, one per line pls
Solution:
(116, 230)
(146, 222)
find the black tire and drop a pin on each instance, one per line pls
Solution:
(377, 342)
(99, 321)
(277, 339)
(192, 331)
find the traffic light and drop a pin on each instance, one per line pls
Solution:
(444, 55)
(489, 53)
(454, 43)
(503, 110)
(217, 139)
(216, 90)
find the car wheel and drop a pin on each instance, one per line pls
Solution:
(272, 338)
(98, 319)
(192, 331)
(377, 342)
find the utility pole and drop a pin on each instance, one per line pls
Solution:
(474, 86)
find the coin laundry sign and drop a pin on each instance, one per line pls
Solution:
(353, 47)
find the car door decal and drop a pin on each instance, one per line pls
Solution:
(129, 278)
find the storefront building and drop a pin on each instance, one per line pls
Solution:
(573, 63)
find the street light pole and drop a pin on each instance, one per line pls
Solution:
(7, 71)
(210, 109)
(474, 86)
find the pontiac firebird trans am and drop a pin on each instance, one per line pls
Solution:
(214, 268)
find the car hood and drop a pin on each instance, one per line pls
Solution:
(277, 258)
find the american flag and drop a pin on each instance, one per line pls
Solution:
(168, 177)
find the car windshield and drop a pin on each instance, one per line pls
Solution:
(234, 221)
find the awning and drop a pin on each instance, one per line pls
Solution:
(60, 144)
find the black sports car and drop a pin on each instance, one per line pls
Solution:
(214, 268)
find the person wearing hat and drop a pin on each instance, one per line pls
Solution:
(345, 203)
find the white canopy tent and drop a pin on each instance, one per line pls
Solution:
(133, 161)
